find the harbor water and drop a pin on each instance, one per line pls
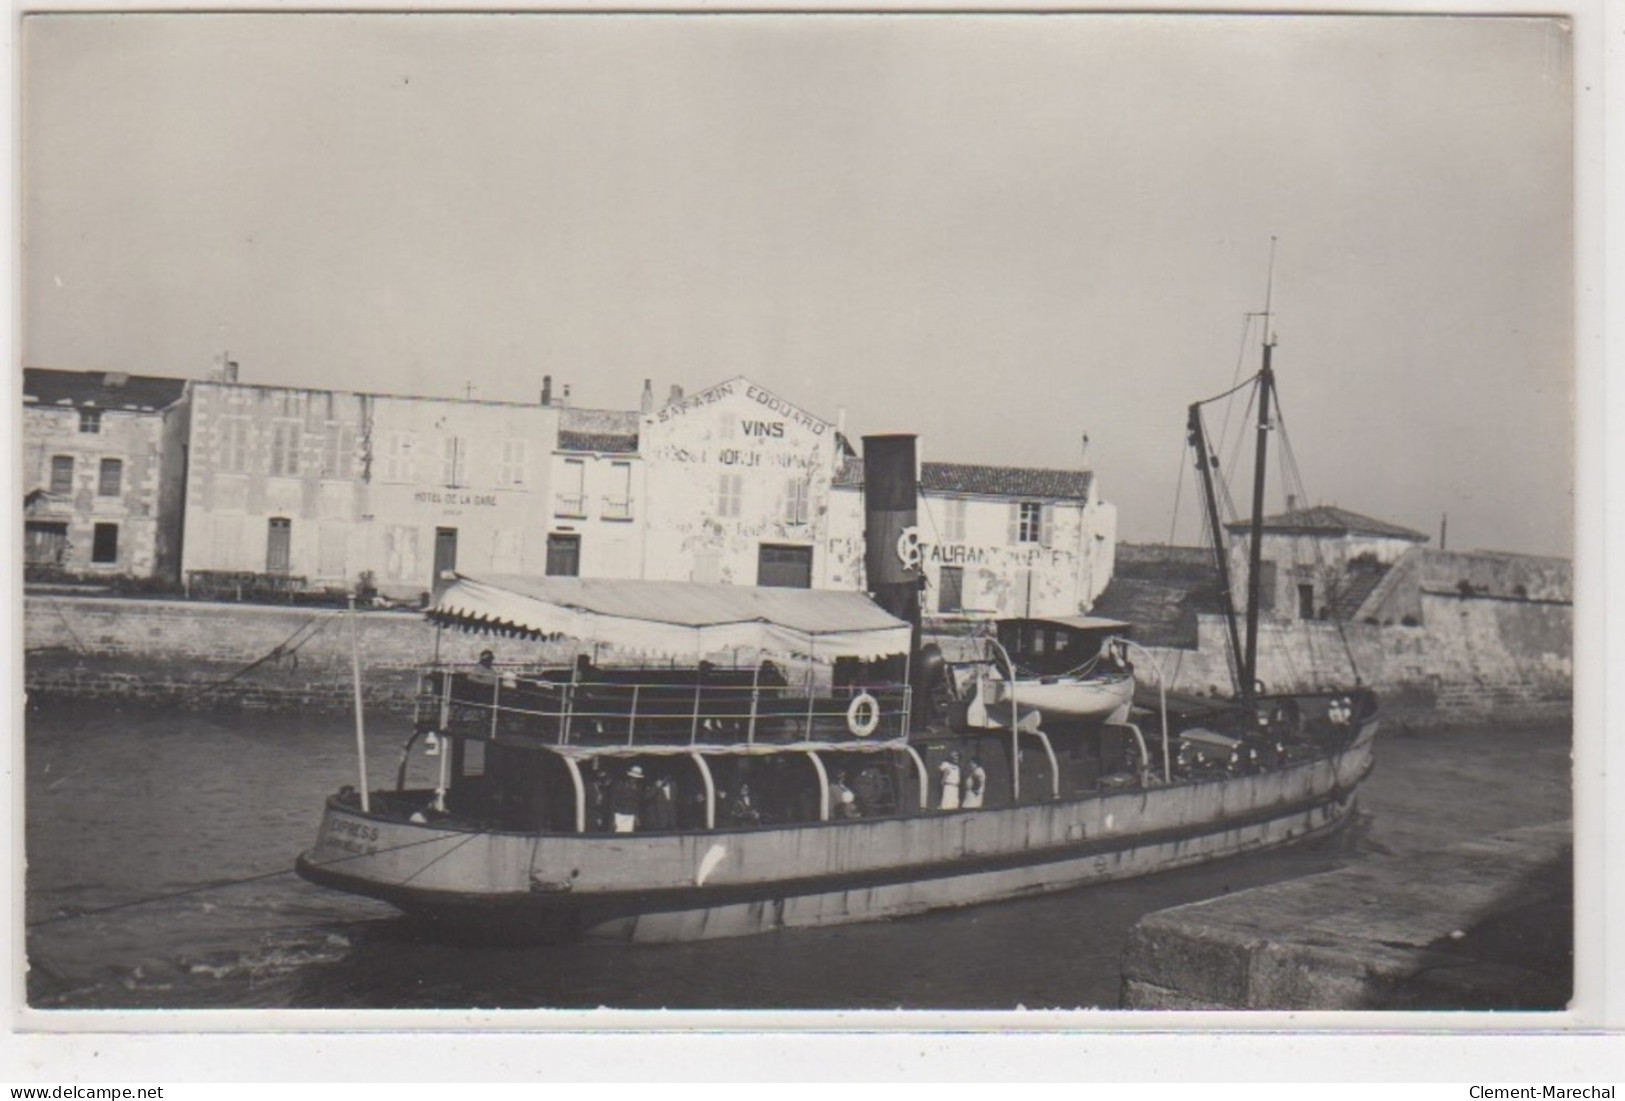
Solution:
(160, 850)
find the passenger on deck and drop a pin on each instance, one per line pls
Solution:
(486, 671)
(843, 800)
(660, 805)
(598, 798)
(626, 798)
(742, 811)
(975, 784)
(949, 770)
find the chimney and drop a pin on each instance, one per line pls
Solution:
(676, 394)
(646, 404)
(565, 398)
(115, 380)
(1083, 453)
(840, 421)
(891, 496)
(1292, 502)
(225, 367)
(547, 389)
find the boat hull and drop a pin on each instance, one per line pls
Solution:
(691, 886)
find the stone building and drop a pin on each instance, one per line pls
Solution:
(999, 540)
(296, 489)
(739, 489)
(599, 501)
(1319, 563)
(103, 465)
(321, 486)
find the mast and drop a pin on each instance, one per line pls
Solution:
(1204, 463)
(1255, 548)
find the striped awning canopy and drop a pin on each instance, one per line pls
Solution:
(681, 620)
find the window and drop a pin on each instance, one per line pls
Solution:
(45, 542)
(338, 450)
(399, 449)
(563, 555)
(332, 543)
(401, 552)
(104, 544)
(111, 483)
(795, 501)
(1029, 522)
(572, 496)
(730, 490)
(453, 469)
(512, 470)
(953, 520)
(1306, 602)
(785, 567)
(951, 589)
(62, 474)
(285, 448)
(90, 420)
(618, 501)
(234, 444)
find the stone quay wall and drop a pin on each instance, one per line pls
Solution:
(1472, 656)
(206, 656)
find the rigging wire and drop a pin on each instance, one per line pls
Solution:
(287, 648)
(1173, 530)
(1235, 376)
(1290, 468)
(1229, 510)
(63, 616)
(1215, 542)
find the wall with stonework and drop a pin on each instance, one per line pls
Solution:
(194, 654)
(1470, 656)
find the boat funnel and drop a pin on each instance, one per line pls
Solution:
(892, 558)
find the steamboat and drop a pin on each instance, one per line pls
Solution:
(751, 759)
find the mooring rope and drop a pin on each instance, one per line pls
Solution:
(222, 884)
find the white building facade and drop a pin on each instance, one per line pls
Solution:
(338, 491)
(995, 540)
(738, 489)
(324, 487)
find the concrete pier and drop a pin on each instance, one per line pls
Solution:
(1483, 924)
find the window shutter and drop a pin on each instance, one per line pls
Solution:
(1014, 536)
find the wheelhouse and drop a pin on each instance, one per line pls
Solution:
(1058, 646)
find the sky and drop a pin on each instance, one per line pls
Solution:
(1003, 233)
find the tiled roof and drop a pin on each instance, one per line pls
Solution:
(1329, 520)
(100, 389)
(612, 442)
(989, 481)
(601, 430)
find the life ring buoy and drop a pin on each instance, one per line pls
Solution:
(863, 715)
(1340, 711)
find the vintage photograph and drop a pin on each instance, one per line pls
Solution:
(778, 512)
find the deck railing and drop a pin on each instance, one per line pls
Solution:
(647, 707)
